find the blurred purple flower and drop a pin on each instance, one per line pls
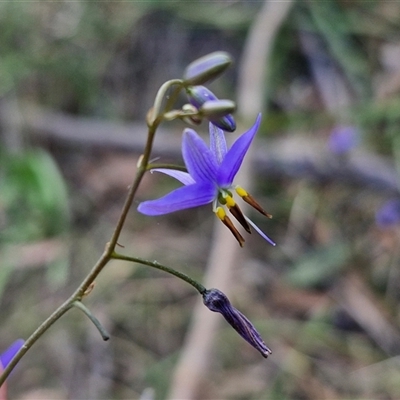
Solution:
(343, 138)
(388, 214)
(217, 301)
(7, 355)
(5, 359)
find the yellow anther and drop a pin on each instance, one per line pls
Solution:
(230, 202)
(241, 192)
(220, 213)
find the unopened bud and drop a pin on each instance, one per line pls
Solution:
(207, 68)
(217, 108)
(217, 301)
(200, 95)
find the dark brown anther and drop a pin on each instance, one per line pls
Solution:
(237, 213)
(228, 223)
(249, 199)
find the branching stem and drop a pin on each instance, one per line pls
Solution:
(109, 251)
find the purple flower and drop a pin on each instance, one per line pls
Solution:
(209, 179)
(8, 355)
(198, 95)
(216, 301)
(342, 139)
(388, 214)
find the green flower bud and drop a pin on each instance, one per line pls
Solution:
(217, 108)
(207, 68)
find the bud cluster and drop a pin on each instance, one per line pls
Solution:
(205, 102)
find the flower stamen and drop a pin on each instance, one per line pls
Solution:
(221, 214)
(237, 212)
(249, 199)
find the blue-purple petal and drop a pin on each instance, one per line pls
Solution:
(199, 160)
(9, 354)
(234, 157)
(181, 176)
(180, 199)
(217, 142)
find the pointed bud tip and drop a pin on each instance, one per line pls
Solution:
(266, 353)
(227, 123)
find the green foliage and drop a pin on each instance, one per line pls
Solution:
(34, 197)
(319, 266)
(33, 207)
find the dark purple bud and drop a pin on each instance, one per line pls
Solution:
(216, 301)
(199, 95)
(9, 354)
(342, 139)
(206, 68)
(389, 214)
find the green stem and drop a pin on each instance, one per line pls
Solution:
(166, 166)
(161, 94)
(110, 246)
(155, 264)
(104, 334)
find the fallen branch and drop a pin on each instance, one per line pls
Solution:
(294, 156)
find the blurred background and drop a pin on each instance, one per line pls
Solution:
(76, 81)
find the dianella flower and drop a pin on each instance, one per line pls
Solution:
(217, 301)
(343, 139)
(211, 171)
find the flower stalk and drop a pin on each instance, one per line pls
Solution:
(155, 264)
